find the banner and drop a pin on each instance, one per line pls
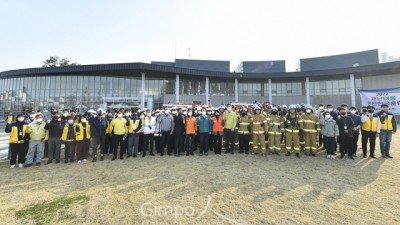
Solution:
(377, 97)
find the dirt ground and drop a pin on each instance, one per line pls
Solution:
(217, 189)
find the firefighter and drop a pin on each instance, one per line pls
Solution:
(311, 129)
(257, 128)
(244, 131)
(275, 128)
(292, 127)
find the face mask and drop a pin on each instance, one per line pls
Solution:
(321, 107)
(308, 110)
(166, 112)
(229, 108)
(343, 113)
(39, 120)
(371, 111)
(21, 119)
(195, 111)
(120, 115)
(330, 109)
(185, 113)
(127, 114)
(189, 113)
(217, 114)
(173, 112)
(83, 120)
(149, 114)
(142, 117)
(209, 113)
(203, 113)
(328, 116)
(59, 119)
(70, 121)
(65, 114)
(352, 111)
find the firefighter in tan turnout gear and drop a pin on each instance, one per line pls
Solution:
(244, 131)
(275, 128)
(257, 128)
(293, 125)
(311, 129)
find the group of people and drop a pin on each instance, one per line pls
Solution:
(259, 129)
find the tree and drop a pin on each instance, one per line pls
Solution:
(54, 61)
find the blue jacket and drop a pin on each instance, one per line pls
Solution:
(204, 123)
(357, 121)
(99, 126)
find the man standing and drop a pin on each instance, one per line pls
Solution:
(356, 130)
(166, 124)
(257, 129)
(38, 137)
(119, 133)
(179, 132)
(292, 126)
(370, 128)
(230, 121)
(346, 125)
(99, 126)
(148, 128)
(275, 128)
(190, 123)
(388, 127)
(311, 128)
(18, 136)
(244, 132)
(205, 125)
(54, 129)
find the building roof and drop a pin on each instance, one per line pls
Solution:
(125, 69)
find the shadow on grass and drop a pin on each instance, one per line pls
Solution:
(45, 213)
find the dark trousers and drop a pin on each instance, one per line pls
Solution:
(178, 137)
(217, 143)
(346, 145)
(109, 144)
(355, 142)
(244, 140)
(82, 149)
(46, 149)
(365, 136)
(165, 139)
(190, 139)
(54, 144)
(70, 147)
(148, 141)
(97, 140)
(118, 141)
(204, 142)
(320, 140)
(330, 145)
(211, 142)
(17, 150)
(229, 140)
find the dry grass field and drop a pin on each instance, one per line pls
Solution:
(218, 189)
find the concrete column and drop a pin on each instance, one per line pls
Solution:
(308, 90)
(177, 90)
(142, 98)
(352, 90)
(270, 91)
(207, 90)
(236, 90)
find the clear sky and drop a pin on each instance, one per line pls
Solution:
(114, 31)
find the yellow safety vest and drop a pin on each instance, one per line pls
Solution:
(370, 124)
(79, 135)
(14, 134)
(387, 123)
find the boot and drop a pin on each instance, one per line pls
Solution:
(94, 159)
(102, 158)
